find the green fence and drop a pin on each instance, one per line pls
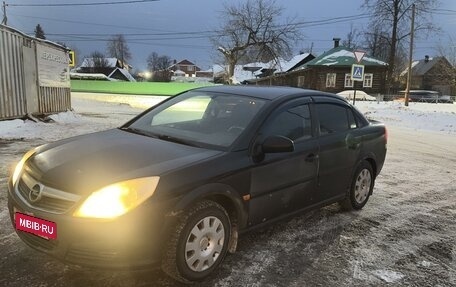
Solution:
(132, 88)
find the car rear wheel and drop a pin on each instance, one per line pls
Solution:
(198, 243)
(361, 187)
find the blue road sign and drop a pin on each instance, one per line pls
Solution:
(357, 72)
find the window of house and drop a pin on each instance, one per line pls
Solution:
(331, 80)
(189, 68)
(348, 81)
(294, 123)
(333, 118)
(301, 81)
(368, 80)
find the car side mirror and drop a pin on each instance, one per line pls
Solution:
(277, 144)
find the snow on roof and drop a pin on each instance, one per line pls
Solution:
(87, 76)
(241, 72)
(404, 72)
(421, 67)
(342, 56)
(34, 38)
(285, 66)
(89, 62)
(247, 71)
(125, 73)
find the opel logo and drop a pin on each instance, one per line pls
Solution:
(35, 193)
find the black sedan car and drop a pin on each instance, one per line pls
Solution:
(178, 183)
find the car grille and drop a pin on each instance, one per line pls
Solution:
(89, 256)
(36, 241)
(47, 199)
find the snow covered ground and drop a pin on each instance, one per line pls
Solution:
(405, 235)
(91, 112)
(417, 116)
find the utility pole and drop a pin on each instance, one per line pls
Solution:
(5, 19)
(409, 75)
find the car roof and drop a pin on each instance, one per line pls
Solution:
(265, 92)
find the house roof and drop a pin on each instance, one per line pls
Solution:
(124, 72)
(185, 62)
(342, 57)
(421, 67)
(250, 71)
(90, 63)
(110, 63)
(286, 66)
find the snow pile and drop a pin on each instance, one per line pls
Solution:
(418, 116)
(28, 129)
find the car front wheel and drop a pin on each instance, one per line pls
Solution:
(198, 243)
(361, 187)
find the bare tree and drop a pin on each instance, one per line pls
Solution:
(117, 47)
(156, 62)
(351, 41)
(97, 60)
(252, 27)
(393, 18)
(376, 43)
(448, 50)
(39, 32)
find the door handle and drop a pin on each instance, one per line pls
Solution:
(311, 157)
(354, 145)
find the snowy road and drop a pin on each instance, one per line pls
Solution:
(406, 234)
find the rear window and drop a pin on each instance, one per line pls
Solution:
(334, 118)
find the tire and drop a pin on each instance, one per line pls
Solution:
(361, 187)
(198, 243)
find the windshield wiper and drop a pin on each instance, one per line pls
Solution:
(139, 132)
(177, 140)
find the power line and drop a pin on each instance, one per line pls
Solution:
(81, 4)
(207, 33)
(87, 23)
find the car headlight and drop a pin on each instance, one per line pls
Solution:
(117, 199)
(20, 166)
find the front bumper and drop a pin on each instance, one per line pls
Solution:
(133, 240)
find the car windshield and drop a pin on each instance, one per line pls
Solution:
(200, 118)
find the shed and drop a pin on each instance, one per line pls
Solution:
(34, 77)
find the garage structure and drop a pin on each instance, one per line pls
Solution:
(34, 75)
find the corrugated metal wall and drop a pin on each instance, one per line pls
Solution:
(12, 94)
(51, 100)
(20, 91)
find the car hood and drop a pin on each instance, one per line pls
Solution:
(85, 163)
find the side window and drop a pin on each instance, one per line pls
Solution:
(333, 118)
(348, 83)
(351, 119)
(368, 80)
(330, 80)
(294, 123)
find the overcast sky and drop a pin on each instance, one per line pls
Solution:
(196, 17)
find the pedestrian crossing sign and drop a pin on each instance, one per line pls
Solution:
(71, 59)
(357, 72)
